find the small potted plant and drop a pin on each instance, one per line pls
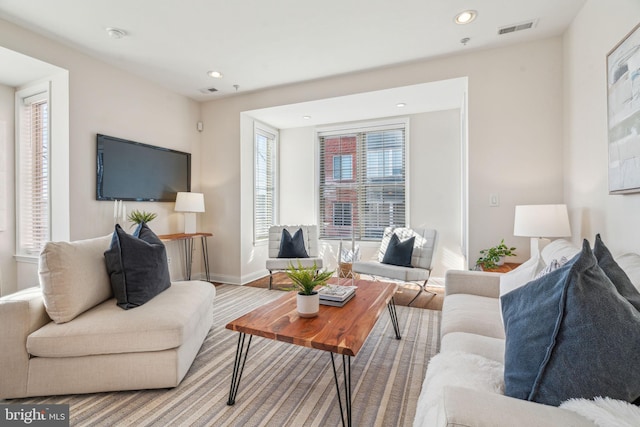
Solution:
(494, 257)
(137, 217)
(305, 280)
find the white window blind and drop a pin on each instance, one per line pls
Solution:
(264, 198)
(33, 207)
(371, 190)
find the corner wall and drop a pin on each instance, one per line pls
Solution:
(515, 140)
(599, 26)
(105, 99)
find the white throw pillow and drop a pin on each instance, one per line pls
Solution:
(557, 249)
(522, 275)
(73, 277)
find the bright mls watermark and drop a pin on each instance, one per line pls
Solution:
(34, 415)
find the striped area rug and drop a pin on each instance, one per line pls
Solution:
(282, 384)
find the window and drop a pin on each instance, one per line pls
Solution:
(32, 174)
(342, 214)
(343, 167)
(362, 183)
(264, 197)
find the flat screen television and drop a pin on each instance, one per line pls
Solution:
(128, 170)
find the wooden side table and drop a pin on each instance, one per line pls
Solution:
(504, 268)
(187, 239)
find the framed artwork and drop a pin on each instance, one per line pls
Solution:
(623, 106)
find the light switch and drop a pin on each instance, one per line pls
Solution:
(494, 200)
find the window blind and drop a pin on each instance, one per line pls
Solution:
(264, 183)
(370, 188)
(33, 174)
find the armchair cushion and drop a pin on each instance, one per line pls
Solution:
(399, 253)
(292, 247)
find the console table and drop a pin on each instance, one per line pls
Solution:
(188, 240)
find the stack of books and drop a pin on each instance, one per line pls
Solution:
(336, 295)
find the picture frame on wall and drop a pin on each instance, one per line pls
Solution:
(623, 114)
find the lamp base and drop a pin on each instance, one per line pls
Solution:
(189, 223)
(537, 243)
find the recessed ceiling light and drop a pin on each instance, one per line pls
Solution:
(401, 105)
(306, 117)
(215, 74)
(465, 17)
(116, 33)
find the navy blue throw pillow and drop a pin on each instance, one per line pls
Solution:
(570, 334)
(292, 247)
(616, 274)
(137, 266)
(399, 253)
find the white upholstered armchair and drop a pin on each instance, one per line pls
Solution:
(311, 245)
(421, 258)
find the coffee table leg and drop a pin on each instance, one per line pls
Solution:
(238, 367)
(346, 371)
(394, 317)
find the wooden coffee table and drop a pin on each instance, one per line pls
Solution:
(340, 330)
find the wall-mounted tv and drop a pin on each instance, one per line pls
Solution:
(128, 170)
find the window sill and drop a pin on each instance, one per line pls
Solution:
(28, 259)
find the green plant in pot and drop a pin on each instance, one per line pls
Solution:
(494, 257)
(305, 280)
(138, 217)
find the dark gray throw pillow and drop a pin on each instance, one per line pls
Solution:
(292, 247)
(570, 334)
(137, 266)
(399, 253)
(616, 274)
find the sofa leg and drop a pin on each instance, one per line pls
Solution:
(270, 278)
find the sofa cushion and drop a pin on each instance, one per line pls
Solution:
(137, 266)
(571, 323)
(630, 263)
(292, 246)
(73, 277)
(615, 273)
(489, 347)
(163, 323)
(399, 253)
(473, 314)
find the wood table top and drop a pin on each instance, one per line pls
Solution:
(341, 330)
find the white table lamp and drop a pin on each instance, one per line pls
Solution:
(540, 222)
(189, 203)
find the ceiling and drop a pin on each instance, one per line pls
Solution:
(258, 44)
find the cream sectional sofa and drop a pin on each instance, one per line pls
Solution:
(464, 384)
(93, 345)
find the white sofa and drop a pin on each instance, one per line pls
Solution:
(102, 347)
(464, 384)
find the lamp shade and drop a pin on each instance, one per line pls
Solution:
(189, 202)
(541, 221)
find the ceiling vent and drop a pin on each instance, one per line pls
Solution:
(517, 27)
(208, 90)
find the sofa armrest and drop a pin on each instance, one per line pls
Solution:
(21, 313)
(480, 283)
(467, 407)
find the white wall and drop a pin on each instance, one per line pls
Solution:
(8, 273)
(104, 99)
(515, 140)
(586, 44)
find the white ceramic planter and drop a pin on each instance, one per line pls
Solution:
(308, 305)
(501, 261)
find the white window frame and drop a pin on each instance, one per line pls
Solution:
(33, 93)
(374, 125)
(262, 236)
